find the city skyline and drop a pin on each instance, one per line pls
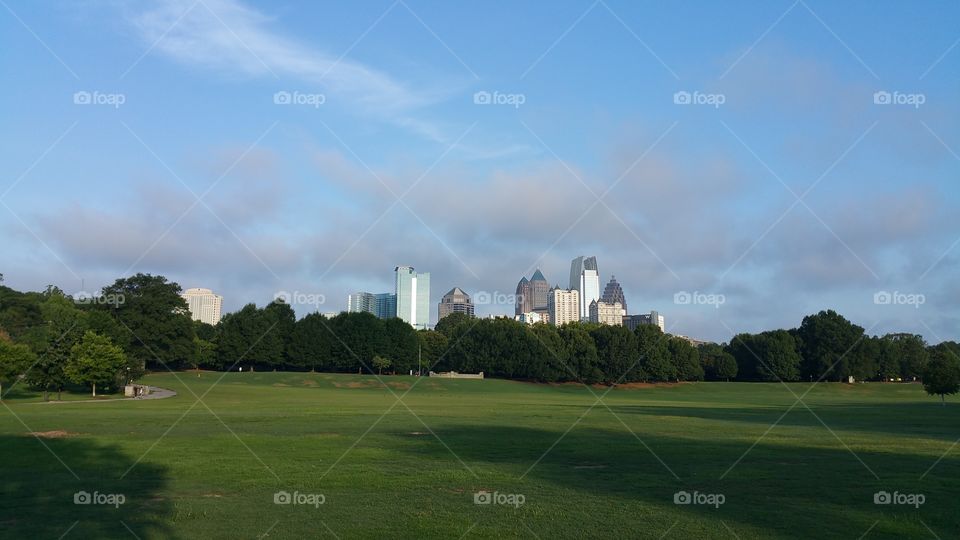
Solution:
(732, 176)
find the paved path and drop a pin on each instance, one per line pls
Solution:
(155, 393)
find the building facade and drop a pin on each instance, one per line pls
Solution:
(539, 288)
(361, 302)
(204, 305)
(613, 292)
(563, 306)
(531, 317)
(585, 279)
(606, 313)
(654, 318)
(523, 301)
(413, 296)
(455, 301)
(383, 305)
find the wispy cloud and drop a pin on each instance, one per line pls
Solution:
(228, 36)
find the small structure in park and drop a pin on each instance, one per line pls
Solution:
(136, 390)
(455, 375)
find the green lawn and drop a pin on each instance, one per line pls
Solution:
(210, 469)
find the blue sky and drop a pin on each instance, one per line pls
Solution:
(785, 188)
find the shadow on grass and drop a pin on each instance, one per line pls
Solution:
(928, 420)
(40, 496)
(788, 491)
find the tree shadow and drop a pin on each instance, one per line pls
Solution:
(42, 498)
(776, 489)
(903, 420)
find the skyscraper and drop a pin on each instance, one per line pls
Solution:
(614, 293)
(455, 301)
(360, 302)
(524, 297)
(585, 279)
(204, 305)
(413, 296)
(385, 305)
(539, 287)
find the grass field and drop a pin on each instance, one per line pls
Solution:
(410, 469)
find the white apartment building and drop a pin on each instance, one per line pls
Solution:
(204, 305)
(563, 306)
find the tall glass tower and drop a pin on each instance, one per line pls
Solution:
(413, 296)
(585, 278)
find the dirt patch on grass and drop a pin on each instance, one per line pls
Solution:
(399, 385)
(309, 382)
(280, 384)
(357, 384)
(56, 434)
(639, 385)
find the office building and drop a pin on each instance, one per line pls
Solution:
(413, 296)
(614, 293)
(523, 301)
(539, 288)
(563, 306)
(455, 301)
(204, 305)
(654, 318)
(585, 279)
(603, 313)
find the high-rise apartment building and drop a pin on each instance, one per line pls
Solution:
(204, 305)
(563, 306)
(603, 313)
(613, 292)
(585, 279)
(413, 296)
(383, 305)
(361, 302)
(455, 301)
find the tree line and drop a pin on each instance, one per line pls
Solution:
(49, 339)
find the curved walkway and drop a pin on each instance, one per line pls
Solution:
(155, 393)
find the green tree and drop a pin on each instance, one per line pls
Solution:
(582, 353)
(655, 362)
(617, 351)
(14, 360)
(310, 343)
(95, 360)
(768, 356)
(447, 324)
(433, 351)
(942, 375)
(686, 360)
(826, 340)
(152, 311)
(380, 363)
(718, 364)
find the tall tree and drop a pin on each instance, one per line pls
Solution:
(826, 340)
(156, 317)
(95, 360)
(686, 360)
(942, 374)
(310, 344)
(14, 360)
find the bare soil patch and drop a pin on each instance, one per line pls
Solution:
(55, 434)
